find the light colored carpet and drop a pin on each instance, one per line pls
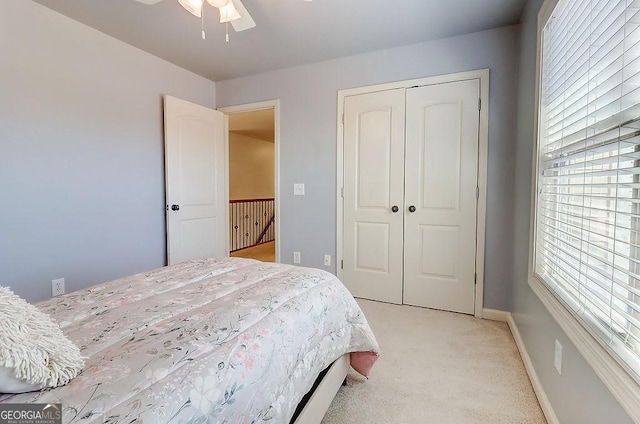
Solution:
(265, 252)
(437, 367)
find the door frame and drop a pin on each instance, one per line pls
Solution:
(483, 140)
(252, 107)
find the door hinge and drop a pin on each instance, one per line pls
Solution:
(342, 192)
(477, 192)
(343, 119)
(341, 264)
(475, 278)
(479, 103)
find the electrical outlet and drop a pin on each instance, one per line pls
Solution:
(296, 257)
(327, 260)
(57, 287)
(558, 358)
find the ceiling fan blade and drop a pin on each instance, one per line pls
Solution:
(148, 2)
(245, 21)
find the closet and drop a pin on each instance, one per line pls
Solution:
(410, 194)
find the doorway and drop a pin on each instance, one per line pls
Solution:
(252, 150)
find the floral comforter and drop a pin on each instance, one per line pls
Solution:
(223, 340)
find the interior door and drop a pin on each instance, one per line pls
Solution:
(441, 172)
(196, 181)
(373, 193)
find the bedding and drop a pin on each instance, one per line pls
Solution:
(215, 340)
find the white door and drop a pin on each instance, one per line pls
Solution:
(196, 181)
(416, 149)
(373, 185)
(441, 172)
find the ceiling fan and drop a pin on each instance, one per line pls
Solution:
(230, 11)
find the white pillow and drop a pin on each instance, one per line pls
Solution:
(34, 353)
(9, 383)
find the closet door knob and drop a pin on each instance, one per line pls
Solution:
(395, 209)
(412, 209)
(175, 207)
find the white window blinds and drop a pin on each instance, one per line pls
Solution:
(588, 193)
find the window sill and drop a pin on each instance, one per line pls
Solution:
(622, 386)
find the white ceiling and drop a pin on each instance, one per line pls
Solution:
(288, 32)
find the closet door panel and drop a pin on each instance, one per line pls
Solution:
(373, 184)
(440, 250)
(440, 183)
(440, 167)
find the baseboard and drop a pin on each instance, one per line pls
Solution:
(547, 410)
(503, 316)
(495, 315)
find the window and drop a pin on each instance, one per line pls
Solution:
(587, 233)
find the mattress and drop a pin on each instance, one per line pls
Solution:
(215, 340)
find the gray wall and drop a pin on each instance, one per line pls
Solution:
(578, 396)
(308, 99)
(81, 151)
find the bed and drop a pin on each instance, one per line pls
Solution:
(214, 340)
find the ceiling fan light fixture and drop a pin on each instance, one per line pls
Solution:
(218, 3)
(228, 12)
(193, 6)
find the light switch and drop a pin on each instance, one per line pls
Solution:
(298, 189)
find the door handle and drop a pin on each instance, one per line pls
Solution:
(394, 209)
(412, 209)
(175, 207)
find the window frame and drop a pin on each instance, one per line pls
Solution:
(616, 378)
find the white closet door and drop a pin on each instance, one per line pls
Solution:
(441, 179)
(196, 181)
(373, 185)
